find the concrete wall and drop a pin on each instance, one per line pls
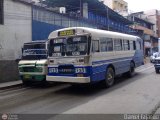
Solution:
(8, 70)
(15, 31)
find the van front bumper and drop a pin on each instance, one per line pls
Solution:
(157, 66)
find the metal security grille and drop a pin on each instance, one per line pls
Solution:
(1, 12)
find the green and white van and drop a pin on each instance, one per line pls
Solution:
(33, 65)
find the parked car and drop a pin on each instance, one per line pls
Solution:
(154, 56)
(157, 64)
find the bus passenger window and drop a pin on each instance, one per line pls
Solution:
(131, 45)
(134, 45)
(138, 45)
(118, 45)
(109, 44)
(95, 46)
(126, 45)
(103, 45)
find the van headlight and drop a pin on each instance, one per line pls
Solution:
(80, 70)
(20, 69)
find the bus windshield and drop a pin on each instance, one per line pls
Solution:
(71, 46)
(34, 51)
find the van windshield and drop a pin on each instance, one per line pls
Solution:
(34, 51)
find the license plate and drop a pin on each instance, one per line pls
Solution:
(27, 76)
(65, 70)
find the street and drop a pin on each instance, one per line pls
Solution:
(139, 94)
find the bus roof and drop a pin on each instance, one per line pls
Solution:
(94, 33)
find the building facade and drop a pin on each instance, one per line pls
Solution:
(117, 5)
(159, 24)
(149, 34)
(152, 16)
(15, 29)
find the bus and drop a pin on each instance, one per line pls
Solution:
(33, 65)
(86, 55)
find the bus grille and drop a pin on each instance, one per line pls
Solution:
(32, 69)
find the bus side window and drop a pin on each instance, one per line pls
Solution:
(134, 45)
(95, 46)
(103, 45)
(118, 45)
(109, 44)
(131, 45)
(138, 45)
(126, 45)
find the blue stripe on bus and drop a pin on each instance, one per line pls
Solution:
(88, 72)
(111, 60)
(98, 72)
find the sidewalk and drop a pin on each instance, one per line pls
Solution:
(10, 84)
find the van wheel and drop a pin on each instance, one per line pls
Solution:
(109, 77)
(25, 83)
(131, 71)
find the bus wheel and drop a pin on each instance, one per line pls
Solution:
(131, 71)
(109, 77)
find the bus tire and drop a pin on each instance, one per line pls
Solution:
(109, 77)
(131, 71)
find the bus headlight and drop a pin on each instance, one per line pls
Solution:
(53, 70)
(84, 60)
(80, 70)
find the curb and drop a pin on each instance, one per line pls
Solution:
(8, 86)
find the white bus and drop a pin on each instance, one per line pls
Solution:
(86, 55)
(33, 65)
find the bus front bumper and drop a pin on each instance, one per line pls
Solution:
(68, 79)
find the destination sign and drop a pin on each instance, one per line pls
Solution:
(66, 33)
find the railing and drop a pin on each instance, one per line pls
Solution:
(110, 24)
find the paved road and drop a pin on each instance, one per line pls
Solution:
(139, 94)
